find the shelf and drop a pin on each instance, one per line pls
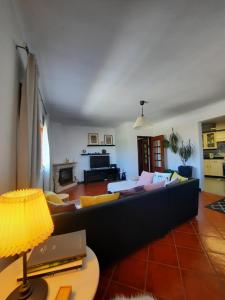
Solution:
(212, 131)
(89, 154)
(101, 145)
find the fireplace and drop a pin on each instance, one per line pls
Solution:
(64, 176)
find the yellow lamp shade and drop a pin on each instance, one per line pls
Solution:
(25, 221)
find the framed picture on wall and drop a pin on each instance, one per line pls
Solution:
(93, 139)
(108, 139)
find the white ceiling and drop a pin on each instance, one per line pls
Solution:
(98, 58)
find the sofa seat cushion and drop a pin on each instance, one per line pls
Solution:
(113, 187)
(86, 201)
(154, 186)
(132, 191)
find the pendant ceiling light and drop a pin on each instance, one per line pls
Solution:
(140, 121)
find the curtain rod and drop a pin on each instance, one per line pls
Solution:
(28, 52)
(24, 48)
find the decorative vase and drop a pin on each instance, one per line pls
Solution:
(185, 171)
(123, 176)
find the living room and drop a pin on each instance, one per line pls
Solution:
(96, 61)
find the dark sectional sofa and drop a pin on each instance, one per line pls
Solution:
(117, 228)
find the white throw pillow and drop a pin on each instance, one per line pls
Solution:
(161, 177)
(172, 182)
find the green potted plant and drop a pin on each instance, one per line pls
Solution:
(173, 142)
(166, 143)
(185, 152)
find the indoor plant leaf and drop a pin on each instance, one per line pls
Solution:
(173, 142)
(185, 152)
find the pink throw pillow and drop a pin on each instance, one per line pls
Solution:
(145, 178)
(154, 186)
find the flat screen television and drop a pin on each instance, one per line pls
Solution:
(99, 161)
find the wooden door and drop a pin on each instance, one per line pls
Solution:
(143, 154)
(157, 154)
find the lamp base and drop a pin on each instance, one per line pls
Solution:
(39, 291)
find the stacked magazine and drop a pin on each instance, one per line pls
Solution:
(59, 253)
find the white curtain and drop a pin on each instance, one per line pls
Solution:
(46, 156)
(29, 135)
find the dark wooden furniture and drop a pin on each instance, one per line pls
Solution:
(143, 153)
(157, 153)
(101, 174)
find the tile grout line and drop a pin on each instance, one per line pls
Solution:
(164, 264)
(147, 269)
(110, 280)
(206, 254)
(216, 273)
(179, 268)
(127, 285)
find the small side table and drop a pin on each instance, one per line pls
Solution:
(84, 282)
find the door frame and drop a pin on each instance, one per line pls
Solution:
(154, 167)
(139, 137)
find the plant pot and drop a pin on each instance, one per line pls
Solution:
(123, 176)
(185, 171)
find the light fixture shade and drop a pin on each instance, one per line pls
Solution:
(140, 122)
(25, 221)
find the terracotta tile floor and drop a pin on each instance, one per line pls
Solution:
(188, 263)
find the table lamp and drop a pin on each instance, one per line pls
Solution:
(25, 222)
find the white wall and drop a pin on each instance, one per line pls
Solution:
(9, 84)
(186, 125)
(67, 141)
(127, 153)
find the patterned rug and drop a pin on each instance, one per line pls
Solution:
(218, 206)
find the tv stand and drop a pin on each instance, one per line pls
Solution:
(101, 174)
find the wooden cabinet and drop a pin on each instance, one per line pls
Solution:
(101, 174)
(209, 140)
(206, 167)
(213, 167)
(220, 136)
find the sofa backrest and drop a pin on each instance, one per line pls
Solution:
(183, 201)
(121, 225)
(116, 228)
